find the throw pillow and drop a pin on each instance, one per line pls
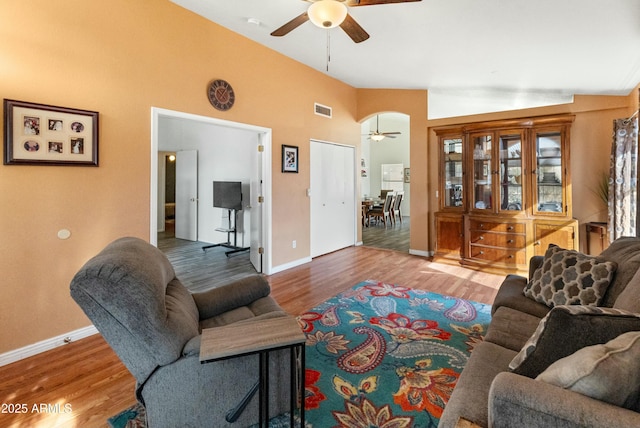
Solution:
(566, 329)
(568, 277)
(608, 372)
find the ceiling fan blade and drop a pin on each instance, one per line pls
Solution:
(353, 3)
(354, 30)
(391, 133)
(389, 136)
(291, 25)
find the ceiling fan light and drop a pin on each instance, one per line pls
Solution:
(327, 13)
(377, 137)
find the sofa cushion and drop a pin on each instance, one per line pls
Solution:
(625, 252)
(511, 328)
(471, 394)
(511, 295)
(568, 277)
(629, 299)
(609, 372)
(566, 329)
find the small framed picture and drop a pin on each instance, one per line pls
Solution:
(289, 158)
(38, 134)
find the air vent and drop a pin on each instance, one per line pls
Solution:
(321, 110)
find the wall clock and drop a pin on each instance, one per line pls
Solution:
(221, 94)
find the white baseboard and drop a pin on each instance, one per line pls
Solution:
(421, 253)
(290, 265)
(45, 345)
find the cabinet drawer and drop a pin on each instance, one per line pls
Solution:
(506, 240)
(498, 255)
(497, 227)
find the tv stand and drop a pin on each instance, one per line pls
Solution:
(233, 248)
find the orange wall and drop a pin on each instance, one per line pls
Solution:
(121, 58)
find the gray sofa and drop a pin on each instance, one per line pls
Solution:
(491, 394)
(153, 323)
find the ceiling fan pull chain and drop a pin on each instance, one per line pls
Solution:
(328, 48)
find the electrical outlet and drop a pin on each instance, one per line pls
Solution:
(293, 244)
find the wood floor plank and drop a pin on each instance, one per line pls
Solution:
(88, 375)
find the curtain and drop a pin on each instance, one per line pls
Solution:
(623, 178)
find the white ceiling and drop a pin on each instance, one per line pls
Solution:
(489, 55)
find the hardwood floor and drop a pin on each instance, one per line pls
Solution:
(200, 270)
(392, 237)
(87, 375)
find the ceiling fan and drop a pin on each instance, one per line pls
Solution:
(379, 136)
(333, 13)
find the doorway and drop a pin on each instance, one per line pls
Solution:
(226, 151)
(167, 197)
(385, 165)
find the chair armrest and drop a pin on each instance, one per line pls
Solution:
(534, 263)
(516, 400)
(231, 296)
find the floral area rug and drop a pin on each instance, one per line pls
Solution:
(134, 417)
(383, 355)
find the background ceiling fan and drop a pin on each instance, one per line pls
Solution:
(330, 14)
(379, 136)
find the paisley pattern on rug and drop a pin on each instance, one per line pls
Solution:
(383, 355)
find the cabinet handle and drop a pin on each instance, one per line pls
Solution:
(510, 228)
(510, 241)
(481, 252)
(481, 238)
(536, 243)
(481, 226)
(510, 256)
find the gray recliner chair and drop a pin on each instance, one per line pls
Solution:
(153, 323)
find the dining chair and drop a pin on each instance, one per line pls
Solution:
(365, 211)
(383, 194)
(383, 212)
(396, 212)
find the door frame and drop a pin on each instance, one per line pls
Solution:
(265, 135)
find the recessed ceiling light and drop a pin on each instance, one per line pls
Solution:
(254, 21)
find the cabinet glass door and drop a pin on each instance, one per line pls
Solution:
(452, 172)
(482, 193)
(550, 194)
(511, 173)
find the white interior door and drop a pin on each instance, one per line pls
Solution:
(187, 195)
(333, 215)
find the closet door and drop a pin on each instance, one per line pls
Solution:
(333, 215)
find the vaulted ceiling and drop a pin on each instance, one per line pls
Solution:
(470, 54)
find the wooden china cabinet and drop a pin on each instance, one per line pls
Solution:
(504, 192)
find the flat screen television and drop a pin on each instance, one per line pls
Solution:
(227, 194)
